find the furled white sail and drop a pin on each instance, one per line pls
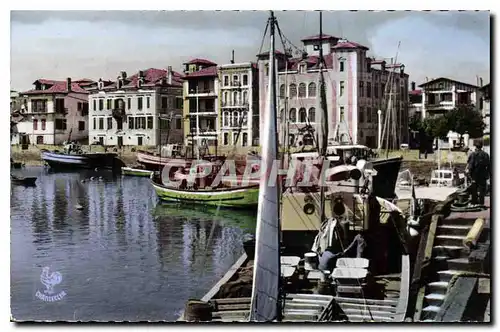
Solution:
(266, 274)
(321, 116)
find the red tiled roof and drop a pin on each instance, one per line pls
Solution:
(201, 62)
(415, 92)
(445, 79)
(45, 81)
(317, 37)
(377, 62)
(205, 72)
(57, 87)
(154, 76)
(396, 65)
(312, 62)
(349, 45)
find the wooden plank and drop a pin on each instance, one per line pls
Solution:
(456, 300)
(483, 286)
(404, 289)
(235, 300)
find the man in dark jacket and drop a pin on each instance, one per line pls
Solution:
(479, 170)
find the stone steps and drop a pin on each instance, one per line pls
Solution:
(460, 230)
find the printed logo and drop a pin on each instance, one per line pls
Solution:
(50, 280)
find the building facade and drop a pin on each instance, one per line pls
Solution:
(53, 112)
(443, 94)
(484, 106)
(239, 93)
(356, 88)
(201, 103)
(144, 109)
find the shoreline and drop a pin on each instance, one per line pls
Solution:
(419, 167)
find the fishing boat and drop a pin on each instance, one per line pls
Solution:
(228, 196)
(74, 158)
(24, 181)
(136, 172)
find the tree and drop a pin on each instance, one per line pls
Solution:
(415, 123)
(437, 127)
(466, 119)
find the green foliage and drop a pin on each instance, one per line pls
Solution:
(462, 119)
(415, 123)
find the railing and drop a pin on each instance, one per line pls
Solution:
(202, 110)
(193, 92)
(233, 104)
(39, 110)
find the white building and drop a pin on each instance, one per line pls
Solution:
(239, 104)
(443, 94)
(484, 106)
(53, 112)
(139, 110)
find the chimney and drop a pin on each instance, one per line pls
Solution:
(68, 84)
(123, 75)
(141, 74)
(480, 81)
(412, 86)
(232, 56)
(119, 82)
(169, 75)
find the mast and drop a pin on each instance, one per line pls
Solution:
(321, 116)
(265, 300)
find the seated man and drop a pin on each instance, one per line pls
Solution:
(328, 259)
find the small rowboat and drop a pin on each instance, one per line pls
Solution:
(136, 172)
(24, 181)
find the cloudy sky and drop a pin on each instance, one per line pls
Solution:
(94, 44)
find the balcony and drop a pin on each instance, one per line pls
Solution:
(61, 110)
(235, 105)
(118, 113)
(39, 110)
(201, 93)
(203, 111)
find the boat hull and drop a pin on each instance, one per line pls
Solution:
(136, 172)
(237, 198)
(61, 161)
(384, 184)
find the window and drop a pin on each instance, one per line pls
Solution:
(110, 122)
(139, 103)
(361, 89)
(79, 106)
(342, 87)
(382, 86)
(226, 139)
(235, 120)
(39, 140)
(226, 80)
(342, 115)
(244, 119)
(148, 100)
(312, 90)
(361, 115)
(119, 124)
(95, 123)
(129, 103)
(302, 115)
(266, 69)
(312, 115)
(39, 106)
(61, 124)
(342, 65)
(245, 79)
(206, 86)
(245, 97)
(369, 89)
(369, 115)
(293, 91)
(130, 122)
(108, 104)
(85, 109)
(235, 79)
(178, 124)
(244, 141)
(225, 97)
(375, 90)
(282, 91)
(43, 124)
(164, 102)
(150, 122)
(235, 98)
(178, 103)
(81, 125)
(225, 119)
(303, 68)
(35, 124)
(95, 105)
(101, 123)
(141, 123)
(302, 90)
(293, 115)
(101, 104)
(60, 106)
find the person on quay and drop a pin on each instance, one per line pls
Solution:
(479, 170)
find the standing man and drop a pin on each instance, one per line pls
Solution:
(479, 169)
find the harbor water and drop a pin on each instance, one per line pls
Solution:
(112, 252)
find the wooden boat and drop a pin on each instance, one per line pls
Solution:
(224, 196)
(24, 181)
(136, 172)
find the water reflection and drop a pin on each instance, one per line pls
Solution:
(120, 253)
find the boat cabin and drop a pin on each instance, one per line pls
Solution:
(338, 153)
(445, 178)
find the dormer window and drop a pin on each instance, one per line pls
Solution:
(100, 85)
(302, 68)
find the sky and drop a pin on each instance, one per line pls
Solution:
(100, 44)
